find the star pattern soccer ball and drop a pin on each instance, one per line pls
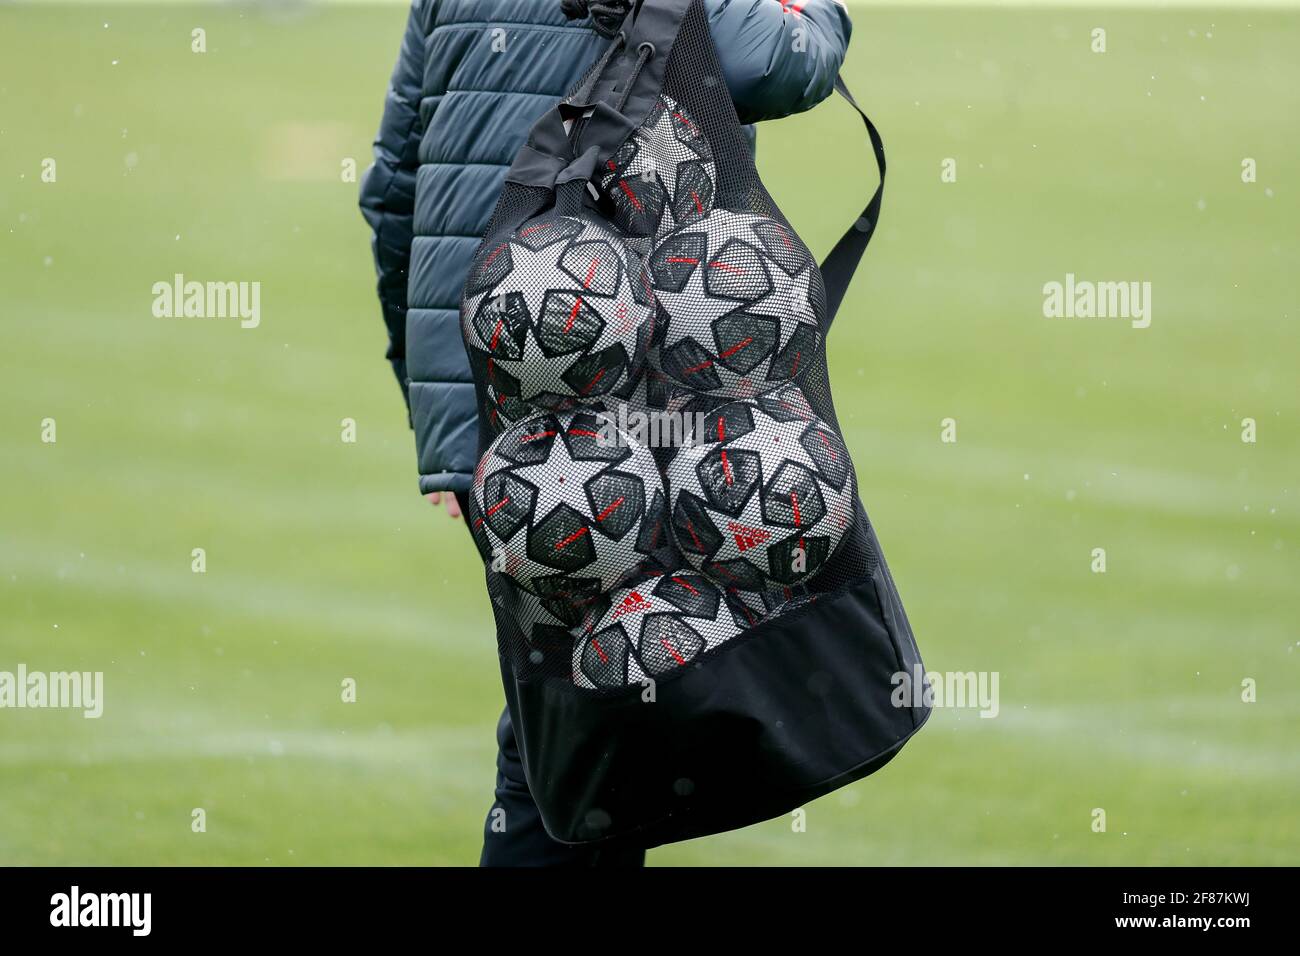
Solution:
(547, 620)
(738, 298)
(652, 629)
(502, 411)
(663, 175)
(760, 500)
(562, 504)
(652, 390)
(558, 314)
(753, 607)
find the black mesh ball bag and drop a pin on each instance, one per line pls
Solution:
(696, 627)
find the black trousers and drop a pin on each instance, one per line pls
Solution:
(513, 834)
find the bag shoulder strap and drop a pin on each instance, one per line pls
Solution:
(842, 261)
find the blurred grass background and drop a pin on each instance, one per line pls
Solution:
(1119, 690)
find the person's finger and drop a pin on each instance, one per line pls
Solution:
(453, 506)
(435, 497)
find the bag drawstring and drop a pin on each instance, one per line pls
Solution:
(620, 40)
(644, 52)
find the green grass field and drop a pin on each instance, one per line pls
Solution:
(1119, 691)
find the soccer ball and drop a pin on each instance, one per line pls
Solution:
(652, 390)
(563, 505)
(754, 607)
(738, 298)
(761, 501)
(787, 403)
(558, 313)
(502, 411)
(794, 602)
(653, 629)
(663, 175)
(546, 621)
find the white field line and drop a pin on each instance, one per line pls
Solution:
(363, 618)
(423, 750)
(1071, 733)
(1062, 732)
(1096, 482)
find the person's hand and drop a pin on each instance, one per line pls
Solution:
(453, 506)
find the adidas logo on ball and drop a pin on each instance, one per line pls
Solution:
(765, 496)
(652, 630)
(747, 538)
(631, 604)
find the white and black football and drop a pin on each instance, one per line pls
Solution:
(663, 176)
(566, 506)
(651, 630)
(557, 314)
(737, 296)
(761, 501)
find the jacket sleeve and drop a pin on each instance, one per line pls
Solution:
(388, 186)
(779, 56)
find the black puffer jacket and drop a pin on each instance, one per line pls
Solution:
(471, 79)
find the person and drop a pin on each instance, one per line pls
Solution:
(472, 77)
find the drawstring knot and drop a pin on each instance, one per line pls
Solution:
(606, 15)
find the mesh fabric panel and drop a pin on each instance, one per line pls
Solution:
(531, 626)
